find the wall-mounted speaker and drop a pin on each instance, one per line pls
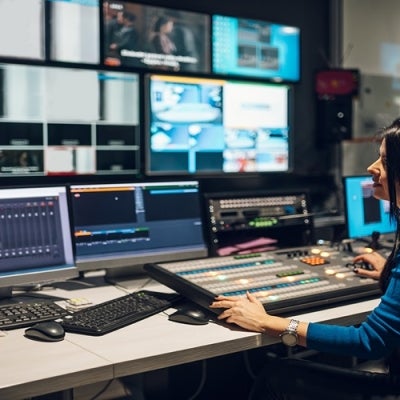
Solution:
(335, 90)
(334, 119)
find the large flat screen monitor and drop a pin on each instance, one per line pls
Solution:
(119, 227)
(198, 125)
(139, 35)
(254, 48)
(35, 236)
(364, 213)
(68, 122)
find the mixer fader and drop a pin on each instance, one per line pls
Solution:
(285, 280)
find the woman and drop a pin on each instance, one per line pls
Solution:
(161, 39)
(378, 336)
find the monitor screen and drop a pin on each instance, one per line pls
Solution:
(200, 125)
(119, 227)
(68, 122)
(74, 31)
(253, 48)
(364, 213)
(22, 29)
(35, 236)
(138, 35)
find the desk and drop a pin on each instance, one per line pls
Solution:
(30, 368)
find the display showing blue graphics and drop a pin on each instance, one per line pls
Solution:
(205, 125)
(247, 47)
(364, 213)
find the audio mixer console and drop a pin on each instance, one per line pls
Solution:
(284, 281)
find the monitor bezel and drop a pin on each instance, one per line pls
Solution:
(45, 275)
(198, 174)
(347, 211)
(127, 264)
(204, 65)
(240, 74)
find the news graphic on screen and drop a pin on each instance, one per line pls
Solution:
(88, 122)
(202, 125)
(145, 36)
(22, 29)
(74, 31)
(254, 48)
(364, 213)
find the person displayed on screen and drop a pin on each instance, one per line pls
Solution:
(183, 36)
(377, 338)
(161, 40)
(124, 37)
(19, 160)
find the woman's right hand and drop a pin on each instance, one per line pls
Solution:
(375, 260)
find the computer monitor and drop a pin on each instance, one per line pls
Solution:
(255, 48)
(144, 36)
(202, 126)
(73, 122)
(35, 235)
(119, 227)
(364, 213)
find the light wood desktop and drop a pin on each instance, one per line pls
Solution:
(31, 368)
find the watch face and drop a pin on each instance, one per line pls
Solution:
(289, 338)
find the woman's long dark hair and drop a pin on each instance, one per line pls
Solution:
(391, 134)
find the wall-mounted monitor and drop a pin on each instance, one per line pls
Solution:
(198, 125)
(22, 29)
(118, 227)
(364, 213)
(255, 48)
(139, 35)
(73, 31)
(68, 121)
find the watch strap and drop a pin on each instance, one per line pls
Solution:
(293, 325)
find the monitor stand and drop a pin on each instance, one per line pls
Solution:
(5, 294)
(374, 244)
(12, 295)
(132, 278)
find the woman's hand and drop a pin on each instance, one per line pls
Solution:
(375, 260)
(247, 312)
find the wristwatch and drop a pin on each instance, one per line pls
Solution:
(289, 336)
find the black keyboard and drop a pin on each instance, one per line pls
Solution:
(114, 314)
(20, 315)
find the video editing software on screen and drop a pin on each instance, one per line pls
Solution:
(136, 220)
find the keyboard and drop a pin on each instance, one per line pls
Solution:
(114, 314)
(20, 315)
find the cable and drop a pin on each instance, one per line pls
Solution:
(108, 384)
(247, 365)
(202, 380)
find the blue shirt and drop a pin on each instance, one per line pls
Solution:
(375, 338)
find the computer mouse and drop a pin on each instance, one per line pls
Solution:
(49, 331)
(191, 316)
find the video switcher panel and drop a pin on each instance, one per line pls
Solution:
(284, 281)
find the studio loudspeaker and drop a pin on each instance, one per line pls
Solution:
(335, 90)
(334, 119)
